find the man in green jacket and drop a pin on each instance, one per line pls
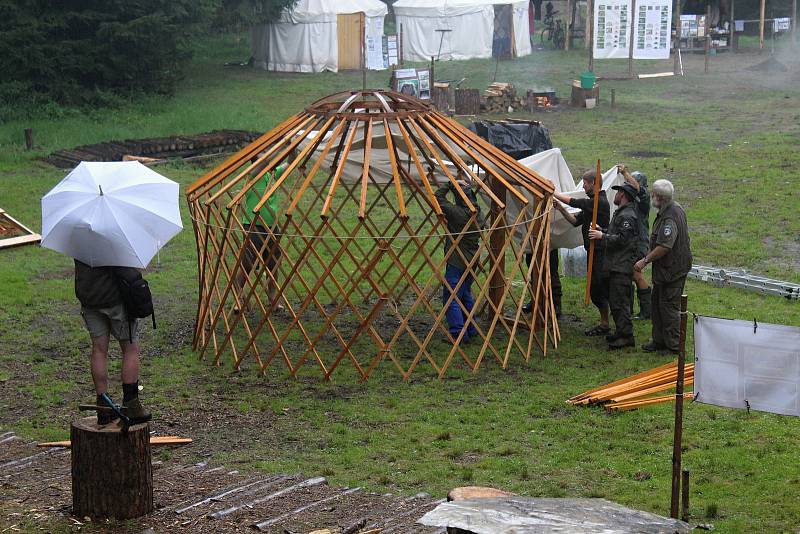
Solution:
(458, 216)
(104, 314)
(262, 234)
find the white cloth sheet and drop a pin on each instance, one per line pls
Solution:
(742, 363)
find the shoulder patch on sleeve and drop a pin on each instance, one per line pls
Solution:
(667, 229)
(626, 224)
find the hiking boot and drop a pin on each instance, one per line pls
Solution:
(621, 343)
(136, 412)
(653, 347)
(612, 337)
(645, 307)
(105, 415)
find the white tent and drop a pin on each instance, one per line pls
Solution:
(319, 35)
(476, 28)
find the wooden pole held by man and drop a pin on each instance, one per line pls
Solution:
(598, 182)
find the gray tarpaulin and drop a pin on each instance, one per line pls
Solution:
(523, 515)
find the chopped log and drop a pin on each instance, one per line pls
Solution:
(468, 102)
(467, 493)
(112, 475)
(440, 98)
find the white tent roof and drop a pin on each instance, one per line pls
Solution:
(444, 7)
(306, 11)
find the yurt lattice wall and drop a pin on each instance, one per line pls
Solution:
(343, 260)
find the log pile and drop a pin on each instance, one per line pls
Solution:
(217, 141)
(498, 97)
(637, 391)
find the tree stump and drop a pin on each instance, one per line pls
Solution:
(112, 475)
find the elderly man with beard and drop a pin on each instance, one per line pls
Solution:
(621, 244)
(671, 256)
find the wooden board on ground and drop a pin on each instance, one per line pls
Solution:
(467, 493)
(154, 440)
(13, 233)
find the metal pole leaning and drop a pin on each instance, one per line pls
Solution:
(677, 438)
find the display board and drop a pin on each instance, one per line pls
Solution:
(413, 82)
(612, 29)
(748, 365)
(652, 29)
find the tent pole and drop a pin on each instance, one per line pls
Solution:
(761, 26)
(794, 23)
(590, 21)
(708, 35)
(678, 435)
(676, 17)
(630, 45)
(732, 28)
(570, 20)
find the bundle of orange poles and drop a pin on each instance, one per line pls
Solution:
(637, 391)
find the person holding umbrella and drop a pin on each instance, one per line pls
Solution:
(111, 218)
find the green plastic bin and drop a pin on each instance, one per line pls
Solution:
(587, 80)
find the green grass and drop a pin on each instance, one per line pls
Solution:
(730, 141)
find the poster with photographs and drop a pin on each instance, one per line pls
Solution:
(652, 29)
(413, 82)
(389, 51)
(612, 29)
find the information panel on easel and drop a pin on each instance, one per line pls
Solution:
(652, 29)
(612, 29)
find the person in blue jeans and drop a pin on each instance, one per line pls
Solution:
(459, 218)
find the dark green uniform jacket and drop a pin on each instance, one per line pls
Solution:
(96, 287)
(584, 220)
(622, 240)
(457, 217)
(670, 230)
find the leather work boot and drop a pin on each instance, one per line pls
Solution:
(136, 412)
(653, 347)
(621, 343)
(612, 337)
(645, 299)
(105, 415)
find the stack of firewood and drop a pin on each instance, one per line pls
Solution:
(498, 97)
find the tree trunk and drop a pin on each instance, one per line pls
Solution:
(112, 475)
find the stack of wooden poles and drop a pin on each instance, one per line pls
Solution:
(638, 390)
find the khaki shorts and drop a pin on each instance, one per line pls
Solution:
(113, 320)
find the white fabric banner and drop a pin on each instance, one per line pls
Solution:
(652, 29)
(612, 29)
(741, 363)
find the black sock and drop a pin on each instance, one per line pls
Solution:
(130, 391)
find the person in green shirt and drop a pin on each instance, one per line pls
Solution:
(262, 234)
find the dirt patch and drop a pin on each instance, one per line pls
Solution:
(196, 497)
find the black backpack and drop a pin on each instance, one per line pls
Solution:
(136, 296)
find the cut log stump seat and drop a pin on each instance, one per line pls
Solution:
(112, 473)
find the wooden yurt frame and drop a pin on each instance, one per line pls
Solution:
(361, 258)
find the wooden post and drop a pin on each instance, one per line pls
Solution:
(630, 45)
(761, 25)
(590, 22)
(598, 182)
(363, 52)
(400, 47)
(794, 22)
(570, 20)
(676, 18)
(708, 35)
(497, 283)
(613, 98)
(678, 436)
(111, 471)
(28, 139)
(685, 495)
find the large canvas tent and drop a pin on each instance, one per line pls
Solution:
(463, 29)
(319, 35)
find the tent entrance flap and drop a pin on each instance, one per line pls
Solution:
(503, 37)
(350, 37)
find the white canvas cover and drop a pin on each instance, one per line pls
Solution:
(305, 39)
(741, 364)
(471, 23)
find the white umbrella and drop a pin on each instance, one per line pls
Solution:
(111, 213)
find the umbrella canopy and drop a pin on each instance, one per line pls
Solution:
(111, 213)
